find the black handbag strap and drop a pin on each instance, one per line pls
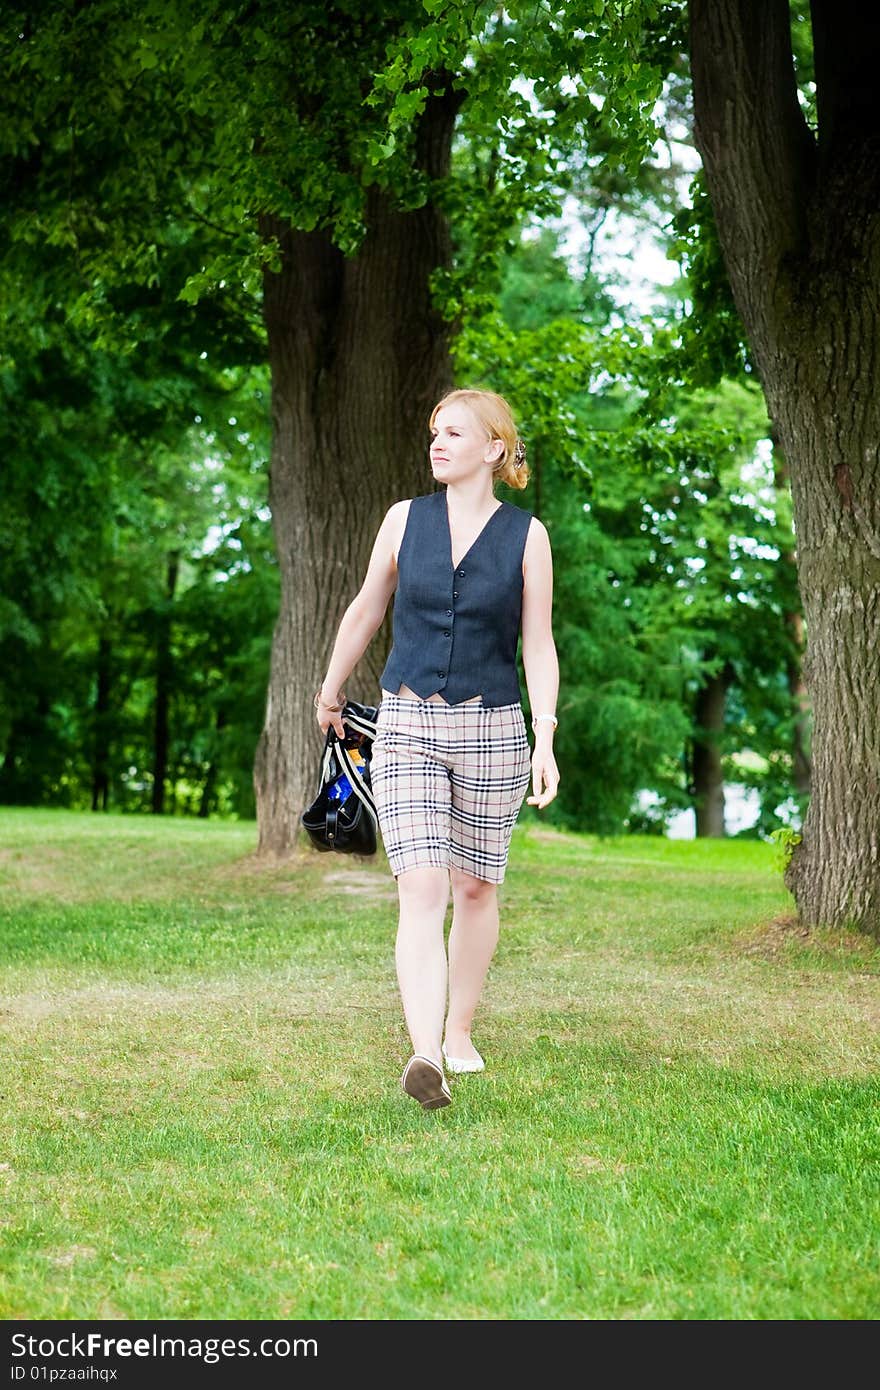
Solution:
(351, 825)
(360, 717)
(361, 789)
(334, 746)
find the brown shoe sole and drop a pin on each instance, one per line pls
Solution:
(424, 1081)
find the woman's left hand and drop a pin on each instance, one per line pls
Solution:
(545, 777)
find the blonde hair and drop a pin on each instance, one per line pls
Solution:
(496, 417)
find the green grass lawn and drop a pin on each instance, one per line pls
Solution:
(202, 1116)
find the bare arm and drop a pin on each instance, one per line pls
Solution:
(540, 661)
(363, 616)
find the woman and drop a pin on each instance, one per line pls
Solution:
(450, 762)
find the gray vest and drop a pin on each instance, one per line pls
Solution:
(456, 630)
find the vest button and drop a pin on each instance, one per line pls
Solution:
(441, 674)
(447, 634)
(449, 612)
(455, 593)
(461, 574)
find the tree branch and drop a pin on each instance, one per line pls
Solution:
(846, 42)
(757, 149)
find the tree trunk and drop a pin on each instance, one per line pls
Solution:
(801, 770)
(799, 224)
(23, 774)
(801, 764)
(358, 358)
(9, 770)
(209, 790)
(164, 678)
(708, 779)
(101, 764)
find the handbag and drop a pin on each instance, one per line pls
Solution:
(343, 814)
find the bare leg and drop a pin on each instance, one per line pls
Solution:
(421, 956)
(472, 943)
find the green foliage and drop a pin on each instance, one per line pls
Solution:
(805, 67)
(149, 160)
(559, 103)
(786, 841)
(118, 127)
(539, 288)
(712, 342)
(621, 718)
(110, 468)
(670, 540)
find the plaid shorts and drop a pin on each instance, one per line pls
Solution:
(449, 781)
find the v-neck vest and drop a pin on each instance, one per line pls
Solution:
(456, 628)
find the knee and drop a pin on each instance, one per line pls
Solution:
(472, 891)
(424, 890)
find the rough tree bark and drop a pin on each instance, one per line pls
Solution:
(801, 772)
(358, 357)
(798, 218)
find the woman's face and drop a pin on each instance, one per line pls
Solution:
(460, 445)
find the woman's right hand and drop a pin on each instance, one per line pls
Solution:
(327, 716)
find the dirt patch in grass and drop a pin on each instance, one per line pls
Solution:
(256, 865)
(63, 1259)
(266, 870)
(282, 995)
(131, 872)
(744, 1010)
(770, 938)
(39, 872)
(97, 1001)
(589, 1163)
(290, 872)
(783, 933)
(135, 870)
(360, 883)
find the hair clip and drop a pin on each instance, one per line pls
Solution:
(519, 454)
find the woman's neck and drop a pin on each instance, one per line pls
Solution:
(471, 498)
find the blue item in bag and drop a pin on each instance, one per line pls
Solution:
(340, 790)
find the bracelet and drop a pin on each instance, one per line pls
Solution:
(536, 719)
(334, 709)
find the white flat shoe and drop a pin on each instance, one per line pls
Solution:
(458, 1065)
